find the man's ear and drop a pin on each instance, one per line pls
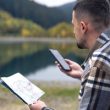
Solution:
(83, 26)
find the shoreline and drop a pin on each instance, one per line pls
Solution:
(63, 84)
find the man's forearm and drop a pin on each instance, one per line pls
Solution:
(46, 108)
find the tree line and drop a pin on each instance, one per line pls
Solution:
(10, 26)
(28, 9)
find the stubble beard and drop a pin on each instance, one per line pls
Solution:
(82, 44)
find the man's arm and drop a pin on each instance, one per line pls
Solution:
(76, 70)
(46, 108)
(96, 95)
(39, 105)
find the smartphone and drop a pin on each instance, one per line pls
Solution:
(60, 59)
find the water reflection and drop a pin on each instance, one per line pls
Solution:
(51, 73)
(29, 58)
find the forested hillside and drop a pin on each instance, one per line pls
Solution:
(28, 19)
(10, 26)
(26, 9)
(68, 10)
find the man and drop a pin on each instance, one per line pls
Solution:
(90, 18)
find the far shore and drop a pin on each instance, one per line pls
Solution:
(64, 84)
(12, 39)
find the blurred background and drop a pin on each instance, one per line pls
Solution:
(28, 28)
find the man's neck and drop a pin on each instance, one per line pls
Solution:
(92, 40)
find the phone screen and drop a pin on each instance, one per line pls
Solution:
(60, 59)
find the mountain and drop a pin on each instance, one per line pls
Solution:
(67, 9)
(28, 9)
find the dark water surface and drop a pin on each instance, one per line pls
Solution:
(34, 60)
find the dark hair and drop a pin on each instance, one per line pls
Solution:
(99, 11)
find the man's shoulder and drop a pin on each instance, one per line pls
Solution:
(107, 32)
(102, 55)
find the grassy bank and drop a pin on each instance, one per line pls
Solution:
(57, 95)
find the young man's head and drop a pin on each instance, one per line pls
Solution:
(90, 18)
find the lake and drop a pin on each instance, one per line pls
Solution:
(50, 73)
(34, 60)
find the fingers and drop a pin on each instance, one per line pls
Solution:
(69, 61)
(38, 105)
(59, 66)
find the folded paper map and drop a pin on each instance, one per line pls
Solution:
(22, 87)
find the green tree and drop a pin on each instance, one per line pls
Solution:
(27, 9)
(61, 30)
(19, 27)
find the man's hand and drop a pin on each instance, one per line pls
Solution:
(76, 70)
(38, 105)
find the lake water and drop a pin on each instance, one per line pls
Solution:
(34, 60)
(51, 73)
